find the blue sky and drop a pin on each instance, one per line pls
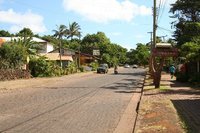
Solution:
(125, 22)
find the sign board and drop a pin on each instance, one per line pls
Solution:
(96, 52)
(163, 45)
(165, 52)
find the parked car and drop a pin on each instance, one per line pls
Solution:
(126, 66)
(103, 68)
(135, 66)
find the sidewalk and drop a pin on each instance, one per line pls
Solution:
(160, 109)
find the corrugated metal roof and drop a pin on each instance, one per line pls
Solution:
(56, 56)
(35, 39)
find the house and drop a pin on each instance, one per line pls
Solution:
(45, 46)
(86, 59)
(47, 50)
(67, 56)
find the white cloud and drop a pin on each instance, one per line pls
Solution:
(106, 10)
(18, 21)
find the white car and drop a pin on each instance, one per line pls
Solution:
(126, 66)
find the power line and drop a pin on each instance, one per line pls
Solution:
(161, 9)
(158, 10)
(166, 29)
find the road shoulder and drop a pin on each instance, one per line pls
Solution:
(156, 111)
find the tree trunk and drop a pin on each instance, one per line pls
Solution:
(157, 69)
(157, 78)
(60, 54)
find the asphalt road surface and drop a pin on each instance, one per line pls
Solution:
(80, 103)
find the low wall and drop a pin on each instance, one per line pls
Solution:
(11, 74)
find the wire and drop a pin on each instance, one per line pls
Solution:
(166, 29)
(158, 10)
(162, 8)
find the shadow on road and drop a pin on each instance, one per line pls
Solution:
(133, 74)
(132, 86)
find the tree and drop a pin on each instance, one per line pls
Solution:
(187, 26)
(4, 33)
(109, 52)
(187, 10)
(191, 51)
(12, 56)
(74, 30)
(140, 55)
(59, 33)
(95, 41)
(25, 33)
(30, 46)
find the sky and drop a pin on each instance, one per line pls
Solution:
(125, 22)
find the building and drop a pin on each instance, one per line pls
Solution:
(45, 46)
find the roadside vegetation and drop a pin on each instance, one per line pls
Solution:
(22, 55)
(187, 35)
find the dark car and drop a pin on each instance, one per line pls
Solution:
(135, 66)
(103, 68)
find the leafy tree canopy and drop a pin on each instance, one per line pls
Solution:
(12, 56)
(188, 10)
(187, 13)
(4, 33)
(25, 32)
(140, 55)
(94, 41)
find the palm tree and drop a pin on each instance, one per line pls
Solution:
(74, 30)
(59, 33)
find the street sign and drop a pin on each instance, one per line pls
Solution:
(96, 52)
(165, 52)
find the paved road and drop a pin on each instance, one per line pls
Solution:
(86, 103)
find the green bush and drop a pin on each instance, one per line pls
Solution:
(72, 68)
(82, 69)
(40, 67)
(12, 56)
(182, 77)
(194, 77)
(94, 66)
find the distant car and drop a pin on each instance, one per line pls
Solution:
(103, 68)
(126, 66)
(135, 66)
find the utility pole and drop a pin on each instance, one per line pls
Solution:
(151, 38)
(154, 24)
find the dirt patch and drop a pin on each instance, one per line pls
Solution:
(158, 116)
(156, 112)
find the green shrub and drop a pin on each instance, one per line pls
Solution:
(40, 67)
(82, 69)
(94, 66)
(72, 68)
(194, 77)
(182, 77)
